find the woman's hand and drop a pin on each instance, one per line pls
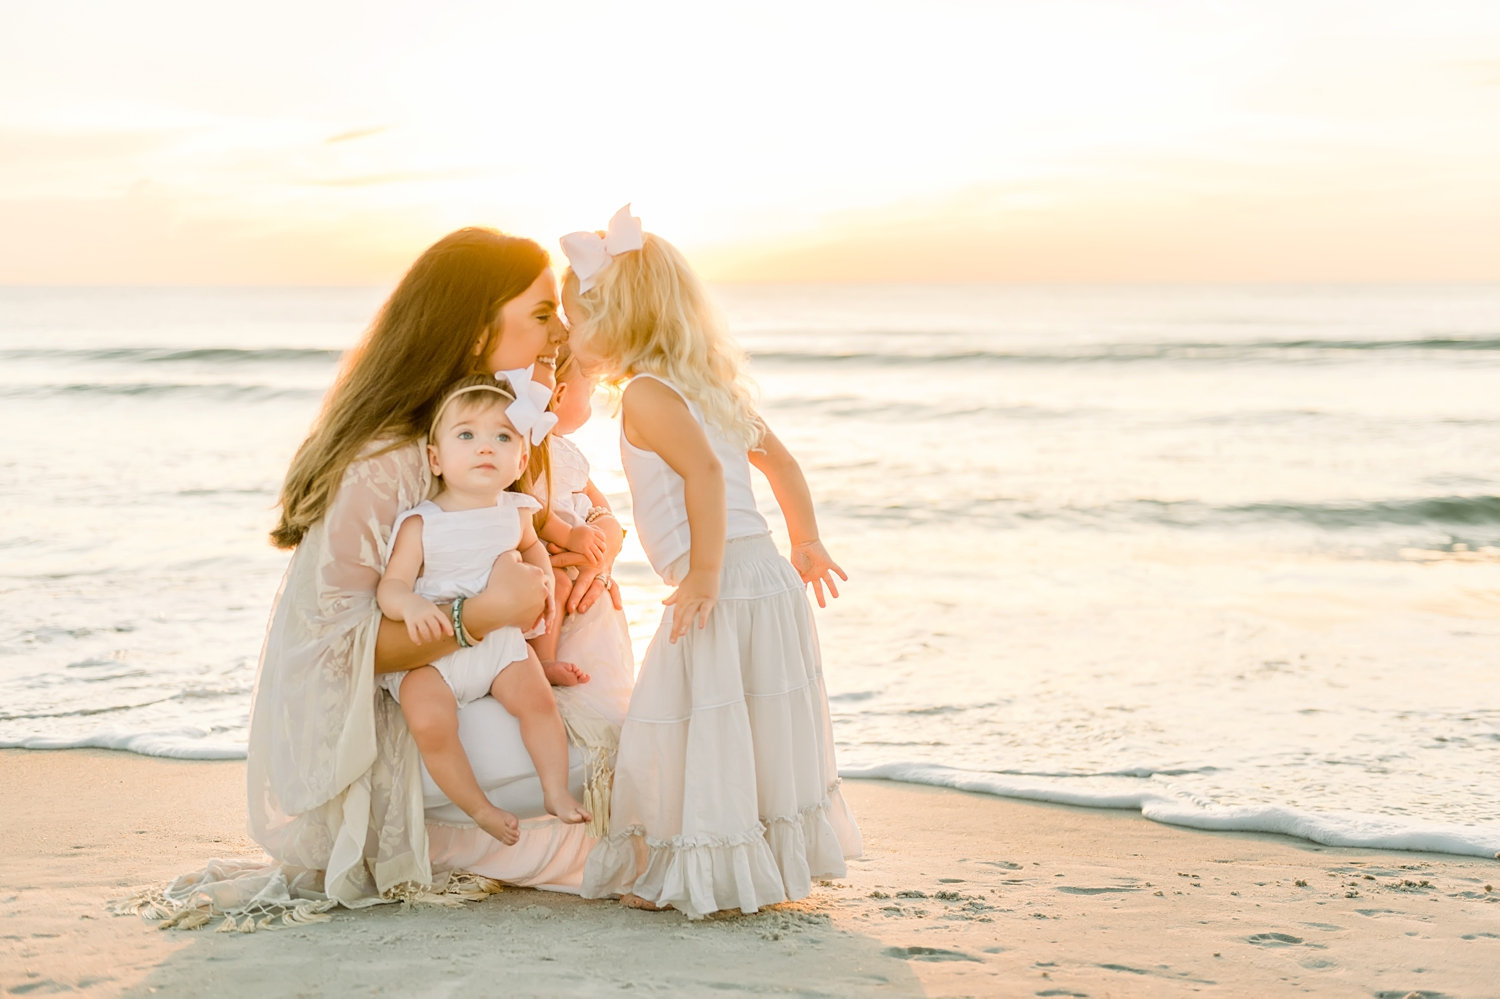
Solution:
(594, 572)
(693, 599)
(816, 566)
(515, 596)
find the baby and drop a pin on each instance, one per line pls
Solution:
(443, 550)
(578, 513)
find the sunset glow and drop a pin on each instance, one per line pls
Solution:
(171, 142)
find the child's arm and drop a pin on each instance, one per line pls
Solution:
(585, 539)
(534, 552)
(655, 418)
(424, 622)
(809, 557)
(582, 597)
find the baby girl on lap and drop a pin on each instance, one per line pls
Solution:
(443, 549)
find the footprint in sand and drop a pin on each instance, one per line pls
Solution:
(929, 954)
(1274, 940)
(1283, 940)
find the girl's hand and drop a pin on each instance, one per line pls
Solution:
(563, 557)
(587, 540)
(816, 566)
(424, 622)
(693, 599)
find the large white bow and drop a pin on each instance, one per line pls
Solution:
(588, 255)
(528, 413)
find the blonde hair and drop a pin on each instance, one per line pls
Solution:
(648, 313)
(438, 325)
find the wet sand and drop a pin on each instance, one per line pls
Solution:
(957, 895)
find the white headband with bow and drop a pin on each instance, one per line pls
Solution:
(528, 413)
(588, 255)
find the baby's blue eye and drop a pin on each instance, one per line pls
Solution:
(465, 435)
(503, 437)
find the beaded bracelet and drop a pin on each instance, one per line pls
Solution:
(456, 611)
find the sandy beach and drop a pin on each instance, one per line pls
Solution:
(957, 894)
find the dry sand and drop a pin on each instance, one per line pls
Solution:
(957, 894)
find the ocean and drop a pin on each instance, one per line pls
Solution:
(1228, 555)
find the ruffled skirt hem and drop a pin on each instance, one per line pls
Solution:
(774, 861)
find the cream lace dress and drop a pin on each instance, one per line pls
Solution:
(726, 792)
(336, 789)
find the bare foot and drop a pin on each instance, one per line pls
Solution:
(561, 674)
(500, 824)
(630, 900)
(565, 807)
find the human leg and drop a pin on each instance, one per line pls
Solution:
(432, 716)
(523, 690)
(559, 673)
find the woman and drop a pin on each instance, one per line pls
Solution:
(335, 782)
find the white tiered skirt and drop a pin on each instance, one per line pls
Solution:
(726, 791)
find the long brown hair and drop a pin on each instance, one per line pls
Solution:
(422, 341)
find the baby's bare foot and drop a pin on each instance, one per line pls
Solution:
(500, 824)
(630, 900)
(565, 807)
(561, 674)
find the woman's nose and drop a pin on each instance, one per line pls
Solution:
(557, 332)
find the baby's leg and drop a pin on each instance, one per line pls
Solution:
(524, 692)
(432, 715)
(558, 673)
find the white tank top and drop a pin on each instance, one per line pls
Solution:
(659, 506)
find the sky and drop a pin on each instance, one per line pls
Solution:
(330, 141)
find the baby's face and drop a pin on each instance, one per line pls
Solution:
(477, 449)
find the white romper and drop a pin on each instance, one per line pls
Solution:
(459, 548)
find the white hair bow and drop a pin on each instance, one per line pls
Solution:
(588, 255)
(529, 410)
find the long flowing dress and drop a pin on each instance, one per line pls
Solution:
(338, 795)
(726, 792)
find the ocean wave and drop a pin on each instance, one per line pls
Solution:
(218, 391)
(188, 743)
(177, 355)
(1441, 512)
(1444, 511)
(1250, 350)
(1142, 794)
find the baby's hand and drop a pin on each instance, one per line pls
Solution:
(816, 566)
(424, 621)
(586, 539)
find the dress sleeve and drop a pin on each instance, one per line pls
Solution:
(520, 502)
(361, 519)
(312, 723)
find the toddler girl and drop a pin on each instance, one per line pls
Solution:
(578, 514)
(443, 549)
(726, 793)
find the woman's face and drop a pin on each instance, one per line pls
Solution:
(530, 329)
